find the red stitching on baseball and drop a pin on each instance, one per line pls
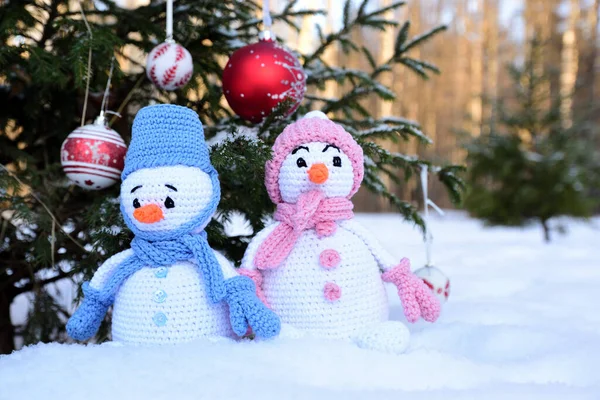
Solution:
(169, 75)
(153, 77)
(180, 54)
(183, 80)
(161, 50)
(429, 284)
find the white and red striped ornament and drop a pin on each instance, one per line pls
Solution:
(93, 156)
(169, 66)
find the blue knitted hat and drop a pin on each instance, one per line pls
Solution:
(165, 135)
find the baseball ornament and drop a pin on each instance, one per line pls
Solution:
(436, 281)
(92, 156)
(169, 66)
(259, 76)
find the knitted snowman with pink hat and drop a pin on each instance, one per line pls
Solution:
(315, 266)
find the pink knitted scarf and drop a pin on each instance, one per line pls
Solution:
(312, 210)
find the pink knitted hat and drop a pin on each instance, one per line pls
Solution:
(312, 129)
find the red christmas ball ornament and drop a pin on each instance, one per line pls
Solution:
(93, 156)
(169, 66)
(259, 76)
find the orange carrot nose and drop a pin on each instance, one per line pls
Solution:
(318, 173)
(148, 214)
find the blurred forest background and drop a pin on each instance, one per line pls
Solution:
(483, 38)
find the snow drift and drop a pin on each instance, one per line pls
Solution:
(521, 323)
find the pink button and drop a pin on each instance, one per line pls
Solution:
(332, 291)
(329, 259)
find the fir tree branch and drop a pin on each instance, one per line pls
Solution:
(32, 192)
(35, 283)
(128, 98)
(48, 30)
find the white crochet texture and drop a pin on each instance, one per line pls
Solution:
(166, 304)
(295, 290)
(385, 260)
(177, 292)
(389, 337)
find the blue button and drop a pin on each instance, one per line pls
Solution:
(160, 296)
(161, 272)
(160, 319)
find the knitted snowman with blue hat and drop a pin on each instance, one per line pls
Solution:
(170, 286)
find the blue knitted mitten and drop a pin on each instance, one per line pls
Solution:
(84, 323)
(245, 309)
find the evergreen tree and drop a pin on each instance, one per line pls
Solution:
(51, 230)
(536, 162)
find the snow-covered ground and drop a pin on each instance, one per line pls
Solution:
(521, 323)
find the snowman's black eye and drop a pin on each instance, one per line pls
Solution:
(136, 203)
(337, 162)
(169, 203)
(301, 163)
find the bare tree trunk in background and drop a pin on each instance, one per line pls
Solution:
(331, 53)
(413, 106)
(412, 88)
(386, 51)
(596, 65)
(476, 77)
(541, 24)
(537, 16)
(491, 65)
(586, 44)
(431, 89)
(593, 65)
(569, 64)
(460, 67)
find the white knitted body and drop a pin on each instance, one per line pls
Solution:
(166, 304)
(295, 290)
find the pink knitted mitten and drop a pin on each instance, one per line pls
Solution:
(256, 276)
(416, 297)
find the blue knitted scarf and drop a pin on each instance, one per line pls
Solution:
(166, 253)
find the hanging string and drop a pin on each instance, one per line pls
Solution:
(89, 66)
(266, 14)
(427, 202)
(104, 105)
(266, 33)
(169, 21)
